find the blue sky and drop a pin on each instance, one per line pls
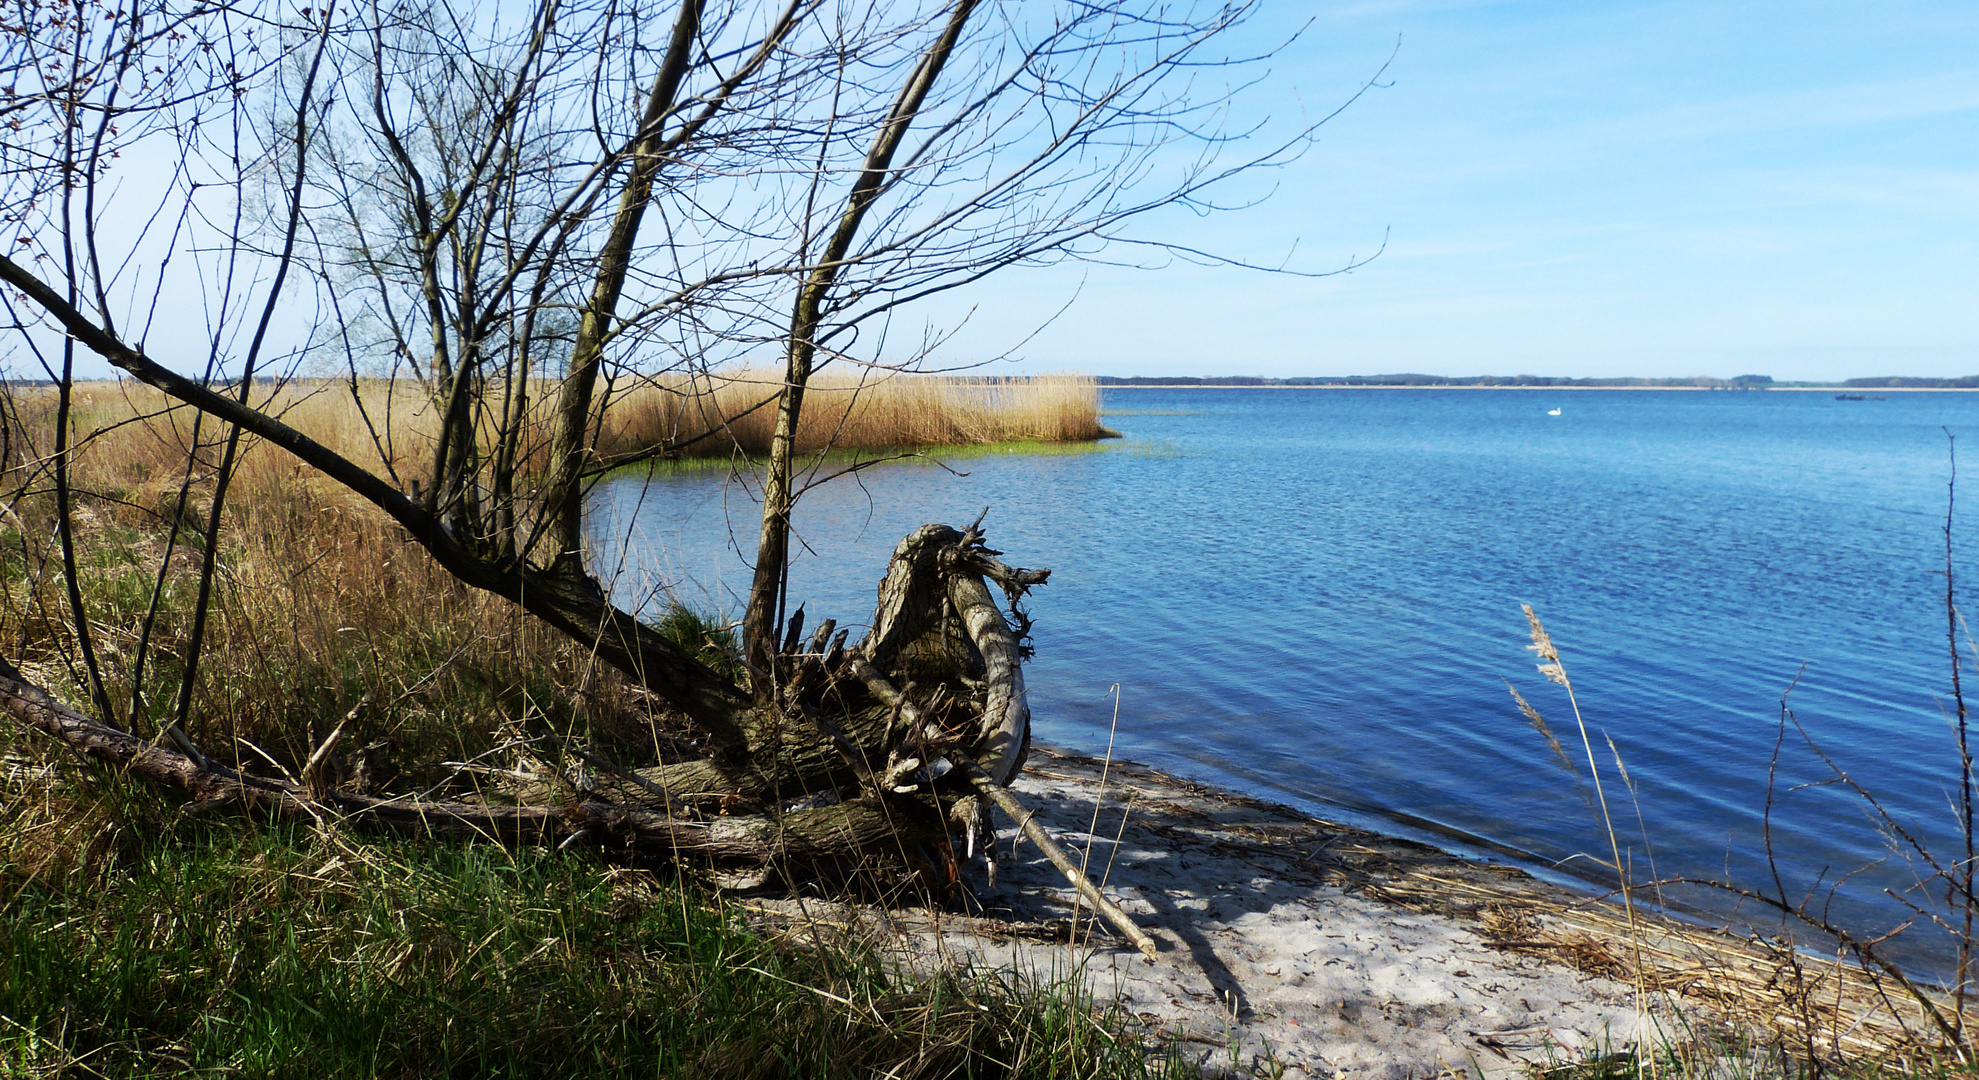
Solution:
(1579, 189)
(1586, 189)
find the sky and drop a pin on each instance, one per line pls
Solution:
(1591, 189)
(1602, 188)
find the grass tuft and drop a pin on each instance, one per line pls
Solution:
(158, 944)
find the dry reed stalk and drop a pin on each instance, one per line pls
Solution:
(1555, 670)
(720, 415)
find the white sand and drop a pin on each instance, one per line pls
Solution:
(1329, 950)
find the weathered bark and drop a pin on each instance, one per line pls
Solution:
(1004, 737)
(937, 572)
(788, 758)
(910, 594)
(835, 726)
(860, 827)
(1026, 823)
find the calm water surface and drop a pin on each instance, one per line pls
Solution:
(1314, 595)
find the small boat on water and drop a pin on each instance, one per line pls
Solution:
(1848, 397)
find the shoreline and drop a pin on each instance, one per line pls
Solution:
(1333, 950)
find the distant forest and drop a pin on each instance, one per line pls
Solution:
(1905, 382)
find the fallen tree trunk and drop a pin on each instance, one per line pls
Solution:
(846, 759)
(828, 831)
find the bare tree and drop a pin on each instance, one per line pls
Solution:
(515, 215)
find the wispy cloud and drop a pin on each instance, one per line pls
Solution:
(1924, 96)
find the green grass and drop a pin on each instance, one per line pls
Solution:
(152, 944)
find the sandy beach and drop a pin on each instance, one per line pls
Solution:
(1293, 943)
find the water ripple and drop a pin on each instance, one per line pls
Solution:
(1315, 595)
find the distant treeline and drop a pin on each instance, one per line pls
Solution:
(1740, 382)
(1906, 382)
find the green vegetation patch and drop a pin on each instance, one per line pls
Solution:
(184, 945)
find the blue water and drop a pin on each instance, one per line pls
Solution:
(1314, 595)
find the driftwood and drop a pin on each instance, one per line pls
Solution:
(1027, 823)
(860, 824)
(845, 757)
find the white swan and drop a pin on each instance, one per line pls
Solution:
(1552, 412)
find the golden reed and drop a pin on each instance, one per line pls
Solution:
(321, 601)
(735, 412)
(716, 415)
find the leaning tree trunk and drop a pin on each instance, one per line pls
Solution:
(869, 761)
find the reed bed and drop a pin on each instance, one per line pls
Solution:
(735, 413)
(391, 426)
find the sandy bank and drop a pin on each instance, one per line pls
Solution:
(1330, 950)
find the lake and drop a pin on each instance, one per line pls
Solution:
(1313, 596)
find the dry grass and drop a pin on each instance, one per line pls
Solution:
(735, 413)
(323, 602)
(319, 602)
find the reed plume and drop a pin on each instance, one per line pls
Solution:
(1539, 724)
(1555, 670)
